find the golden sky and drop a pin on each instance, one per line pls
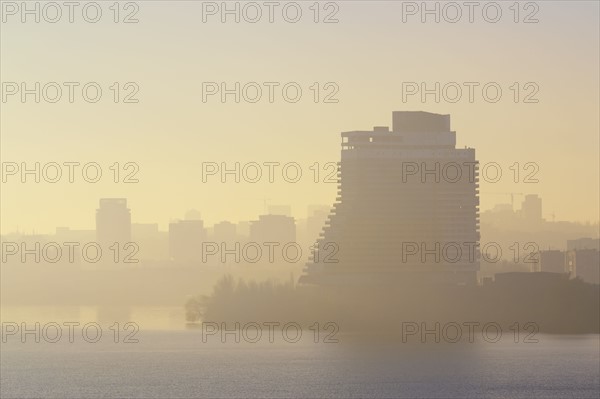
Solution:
(368, 55)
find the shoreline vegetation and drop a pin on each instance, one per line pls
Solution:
(552, 303)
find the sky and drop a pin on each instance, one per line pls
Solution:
(361, 64)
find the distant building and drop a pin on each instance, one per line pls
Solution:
(531, 209)
(113, 222)
(152, 243)
(312, 210)
(224, 232)
(586, 264)
(185, 240)
(273, 228)
(523, 282)
(408, 185)
(553, 261)
(583, 243)
(506, 209)
(504, 226)
(243, 229)
(64, 234)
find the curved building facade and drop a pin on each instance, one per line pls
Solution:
(407, 208)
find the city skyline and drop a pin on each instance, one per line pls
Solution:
(299, 199)
(175, 131)
(405, 184)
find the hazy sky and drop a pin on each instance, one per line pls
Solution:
(368, 54)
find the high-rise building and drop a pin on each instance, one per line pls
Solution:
(113, 222)
(317, 215)
(407, 208)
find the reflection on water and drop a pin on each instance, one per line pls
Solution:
(147, 317)
(168, 364)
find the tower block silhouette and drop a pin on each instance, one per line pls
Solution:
(407, 208)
